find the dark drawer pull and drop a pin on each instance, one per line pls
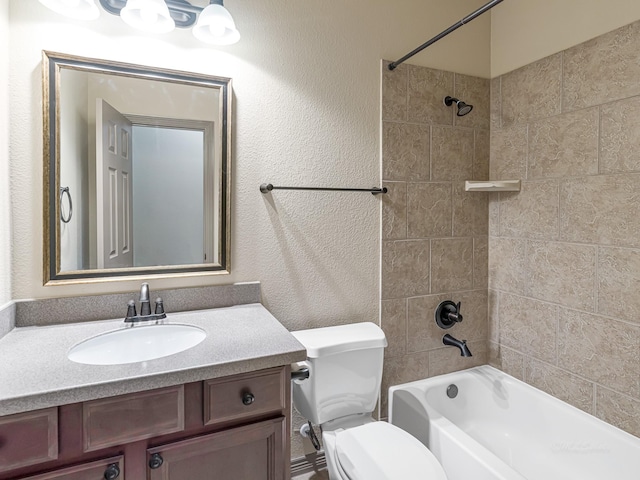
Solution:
(112, 472)
(248, 398)
(155, 461)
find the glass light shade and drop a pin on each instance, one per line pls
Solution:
(76, 9)
(150, 16)
(216, 26)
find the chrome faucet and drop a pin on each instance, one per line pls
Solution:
(145, 308)
(454, 342)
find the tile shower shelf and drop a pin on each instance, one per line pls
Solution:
(492, 186)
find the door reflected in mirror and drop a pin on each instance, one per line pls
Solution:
(143, 157)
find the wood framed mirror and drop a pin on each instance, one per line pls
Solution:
(136, 170)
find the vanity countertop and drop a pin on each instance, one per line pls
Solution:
(36, 373)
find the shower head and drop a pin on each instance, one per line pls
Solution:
(463, 108)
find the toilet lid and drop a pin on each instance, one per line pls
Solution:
(380, 451)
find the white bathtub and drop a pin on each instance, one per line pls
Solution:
(499, 428)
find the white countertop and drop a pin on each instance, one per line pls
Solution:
(36, 373)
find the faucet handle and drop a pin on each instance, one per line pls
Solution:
(159, 306)
(448, 314)
(131, 309)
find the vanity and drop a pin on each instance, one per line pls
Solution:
(220, 409)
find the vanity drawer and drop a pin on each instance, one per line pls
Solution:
(28, 438)
(245, 396)
(128, 418)
(110, 468)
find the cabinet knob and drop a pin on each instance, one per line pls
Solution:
(248, 398)
(155, 461)
(112, 472)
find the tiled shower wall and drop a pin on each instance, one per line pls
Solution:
(435, 243)
(564, 261)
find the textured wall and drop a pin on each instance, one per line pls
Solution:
(307, 87)
(523, 31)
(5, 209)
(564, 253)
(434, 233)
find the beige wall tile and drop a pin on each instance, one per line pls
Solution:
(529, 326)
(495, 104)
(481, 158)
(561, 384)
(603, 69)
(620, 136)
(600, 349)
(399, 370)
(565, 145)
(423, 333)
(509, 361)
(394, 211)
(532, 91)
(493, 316)
(473, 91)
(452, 151)
(601, 209)
(619, 410)
(619, 283)
(470, 212)
(394, 325)
(480, 262)
(448, 359)
(405, 268)
(451, 264)
(426, 92)
(494, 214)
(533, 212)
(507, 264)
(394, 93)
(509, 153)
(562, 272)
(405, 152)
(429, 210)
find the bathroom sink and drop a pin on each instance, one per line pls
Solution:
(136, 344)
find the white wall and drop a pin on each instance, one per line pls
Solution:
(306, 78)
(523, 31)
(5, 211)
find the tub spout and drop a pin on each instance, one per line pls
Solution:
(454, 342)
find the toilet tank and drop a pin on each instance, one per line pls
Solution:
(345, 371)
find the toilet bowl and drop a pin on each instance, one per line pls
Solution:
(345, 373)
(378, 451)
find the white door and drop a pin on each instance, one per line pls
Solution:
(114, 187)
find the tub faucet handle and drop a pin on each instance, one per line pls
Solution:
(448, 314)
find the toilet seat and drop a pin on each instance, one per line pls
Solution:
(381, 451)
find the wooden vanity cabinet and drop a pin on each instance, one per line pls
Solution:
(234, 428)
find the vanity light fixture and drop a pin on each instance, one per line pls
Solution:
(151, 16)
(212, 24)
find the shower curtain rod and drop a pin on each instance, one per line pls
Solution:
(464, 21)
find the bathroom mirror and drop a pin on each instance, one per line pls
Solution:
(136, 170)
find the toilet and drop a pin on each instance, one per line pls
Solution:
(345, 373)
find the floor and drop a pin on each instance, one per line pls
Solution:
(322, 475)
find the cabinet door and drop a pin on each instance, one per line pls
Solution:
(252, 452)
(110, 469)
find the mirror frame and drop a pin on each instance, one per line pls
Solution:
(51, 64)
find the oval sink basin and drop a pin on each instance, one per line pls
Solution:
(136, 344)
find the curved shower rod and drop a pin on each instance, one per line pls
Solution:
(464, 21)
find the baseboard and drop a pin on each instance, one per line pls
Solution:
(300, 466)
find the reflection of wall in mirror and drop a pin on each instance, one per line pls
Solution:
(78, 92)
(74, 236)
